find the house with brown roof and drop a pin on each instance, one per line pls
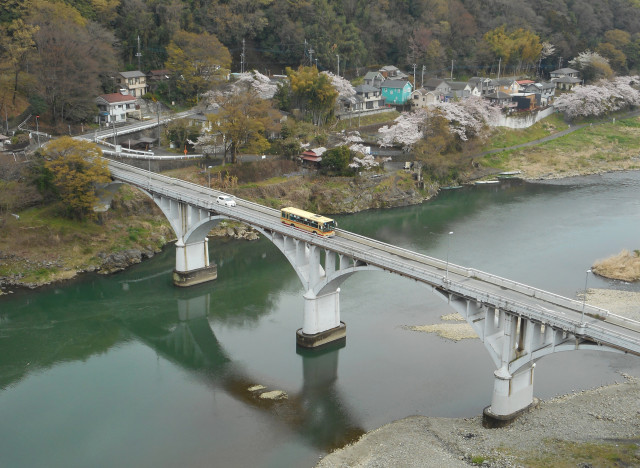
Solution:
(115, 107)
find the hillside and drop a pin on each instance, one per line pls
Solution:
(424, 38)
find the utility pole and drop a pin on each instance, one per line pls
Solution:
(139, 54)
(559, 62)
(338, 55)
(451, 70)
(414, 75)
(242, 58)
(311, 51)
(499, 63)
(422, 80)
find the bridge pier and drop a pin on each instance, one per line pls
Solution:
(512, 396)
(321, 320)
(192, 264)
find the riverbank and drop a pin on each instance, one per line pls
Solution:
(74, 248)
(597, 427)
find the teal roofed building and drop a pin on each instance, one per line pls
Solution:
(396, 92)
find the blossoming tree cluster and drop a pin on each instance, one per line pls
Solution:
(466, 120)
(602, 98)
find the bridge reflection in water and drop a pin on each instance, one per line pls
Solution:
(316, 411)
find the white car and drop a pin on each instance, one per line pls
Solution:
(225, 200)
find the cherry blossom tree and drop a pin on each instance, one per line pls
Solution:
(343, 87)
(602, 98)
(253, 80)
(467, 119)
(405, 131)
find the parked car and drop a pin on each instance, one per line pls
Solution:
(225, 200)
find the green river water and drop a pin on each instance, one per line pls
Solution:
(129, 371)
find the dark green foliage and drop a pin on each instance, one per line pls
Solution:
(42, 178)
(336, 161)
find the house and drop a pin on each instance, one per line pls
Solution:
(199, 119)
(507, 85)
(310, 158)
(566, 83)
(459, 89)
(374, 79)
(544, 92)
(389, 72)
(564, 72)
(524, 101)
(500, 98)
(396, 92)
(155, 77)
(483, 85)
(115, 107)
(439, 87)
(5, 141)
(370, 96)
(135, 82)
(422, 98)
(143, 144)
(565, 78)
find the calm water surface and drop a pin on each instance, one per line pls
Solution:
(128, 370)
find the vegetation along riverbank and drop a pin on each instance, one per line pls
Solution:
(38, 246)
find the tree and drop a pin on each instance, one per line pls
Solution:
(517, 47)
(337, 160)
(17, 45)
(71, 54)
(196, 61)
(77, 166)
(600, 99)
(244, 121)
(313, 93)
(181, 133)
(592, 66)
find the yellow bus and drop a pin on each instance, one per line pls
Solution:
(306, 221)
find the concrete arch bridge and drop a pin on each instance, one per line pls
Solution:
(518, 324)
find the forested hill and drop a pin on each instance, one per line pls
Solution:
(463, 37)
(362, 32)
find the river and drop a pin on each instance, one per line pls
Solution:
(127, 370)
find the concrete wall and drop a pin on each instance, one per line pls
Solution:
(524, 120)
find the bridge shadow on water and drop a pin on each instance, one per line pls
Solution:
(95, 314)
(315, 411)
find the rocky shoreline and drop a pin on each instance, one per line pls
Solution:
(568, 427)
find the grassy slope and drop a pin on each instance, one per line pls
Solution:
(589, 150)
(40, 246)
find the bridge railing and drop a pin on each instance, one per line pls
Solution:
(477, 274)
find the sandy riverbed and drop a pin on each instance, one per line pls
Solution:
(605, 418)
